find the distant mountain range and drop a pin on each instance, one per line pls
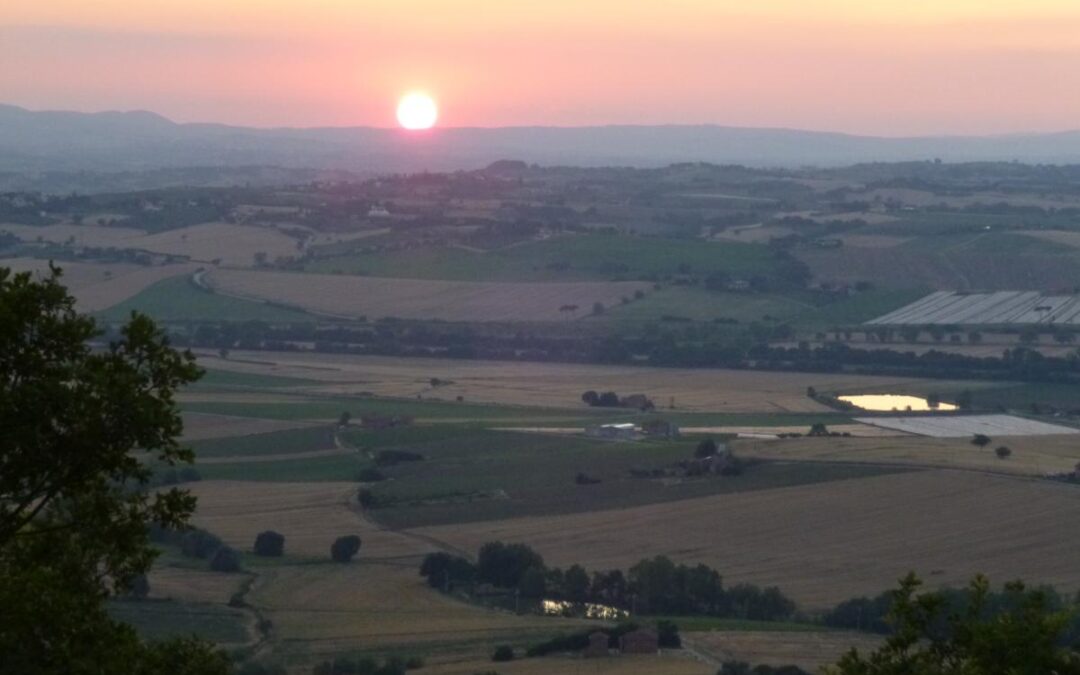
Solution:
(34, 142)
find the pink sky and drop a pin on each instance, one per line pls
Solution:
(887, 67)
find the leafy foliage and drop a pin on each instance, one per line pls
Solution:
(79, 424)
(930, 637)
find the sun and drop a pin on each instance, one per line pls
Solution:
(417, 111)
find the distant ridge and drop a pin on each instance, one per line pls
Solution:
(44, 141)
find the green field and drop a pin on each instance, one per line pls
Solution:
(224, 379)
(178, 299)
(490, 475)
(315, 469)
(273, 443)
(164, 619)
(569, 258)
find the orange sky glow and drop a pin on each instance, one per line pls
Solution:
(889, 67)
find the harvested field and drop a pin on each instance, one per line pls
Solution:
(310, 515)
(552, 384)
(904, 267)
(99, 286)
(330, 608)
(350, 296)
(966, 426)
(232, 244)
(201, 426)
(808, 650)
(193, 585)
(1034, 456)
(1065, 237)
(94, 236)
(827, 542)
(986, 309)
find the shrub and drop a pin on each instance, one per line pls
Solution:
(706, 448)
(344, 548)
(668, 634)
(199, 544)
(225, 560)
(370, 474)
(270, 544)
(981, 440)
(1002, 451)
(503, 653)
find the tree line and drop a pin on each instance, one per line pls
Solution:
(655, 586)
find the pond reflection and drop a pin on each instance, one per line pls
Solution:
(897, 402)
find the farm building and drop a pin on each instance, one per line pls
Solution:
(660, 429)
(598, 645)
(621, 432)
(640, 641)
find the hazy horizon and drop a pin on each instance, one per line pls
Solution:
(887, 69)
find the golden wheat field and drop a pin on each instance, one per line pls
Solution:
(1032, 455)
(310, 515)
(550, 384)
(97, 286)
(826, 542)
(352, 296)
(810, 650)
(329, 608)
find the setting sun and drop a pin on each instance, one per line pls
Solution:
(417, 111)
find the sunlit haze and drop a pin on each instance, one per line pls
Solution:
(888, 67)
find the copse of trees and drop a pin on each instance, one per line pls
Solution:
(652, 586)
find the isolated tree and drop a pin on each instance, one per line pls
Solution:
(344, 548)
(77, 428)
(344, 418)
(590, 398)
(818, 429)
(270, 544)
(1002, 451)
(931, 638)
(981, 440)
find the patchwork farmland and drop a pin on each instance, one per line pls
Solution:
(1002, 308)
(353, 297)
